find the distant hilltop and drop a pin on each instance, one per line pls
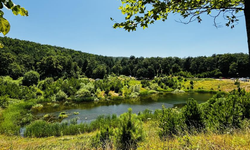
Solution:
(19, 56)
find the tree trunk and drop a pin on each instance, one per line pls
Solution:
(247, 18)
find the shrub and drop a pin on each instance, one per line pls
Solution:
(171, 123)
(224, 113)
(144, 93)
(103, 139)
(4, 101)
(63, 115)
(145, 115)
(145, 83)
(112, 94)
(130, 131)
(60, 96)
(30, 78)
(37, 107)
(100, 94)
(83, 94)
(154, 86)
(193, 115)
(134, 95)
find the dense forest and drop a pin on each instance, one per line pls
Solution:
(18, 57)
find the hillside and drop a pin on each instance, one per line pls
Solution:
(19, 57)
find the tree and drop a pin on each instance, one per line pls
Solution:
(193, 115)
(145, 12)
(6, 60)
(30, 78)
(50, 67)
(130, 131)
(16, 9)
(99, 71)
(233, 69)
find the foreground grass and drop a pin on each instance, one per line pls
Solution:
(239, 139)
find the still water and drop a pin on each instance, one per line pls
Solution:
(89, 111)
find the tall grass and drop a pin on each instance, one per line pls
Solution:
(41, 128)
(15, 116)
(238, 139)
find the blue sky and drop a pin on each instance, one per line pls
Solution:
(85, 25)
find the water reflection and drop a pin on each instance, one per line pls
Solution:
(89, 111)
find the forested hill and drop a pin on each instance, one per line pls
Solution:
(18, 57)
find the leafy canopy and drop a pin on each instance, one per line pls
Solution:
(16, 9)
(144, 12)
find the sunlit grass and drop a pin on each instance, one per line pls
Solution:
(239, 139)
(67, 142)
(225, 85)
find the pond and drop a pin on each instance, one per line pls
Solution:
(90, 110)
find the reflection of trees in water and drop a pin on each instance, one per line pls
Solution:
(166, 98)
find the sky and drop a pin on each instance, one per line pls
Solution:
(85, 25)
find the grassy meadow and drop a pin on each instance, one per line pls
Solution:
(239, 139)
(225, 85)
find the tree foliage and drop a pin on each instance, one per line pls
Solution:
(30, 78)
(130, 131)
(16, 10)
(57, 62)
(144, 12)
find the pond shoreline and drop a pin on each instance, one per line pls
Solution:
(94, 109)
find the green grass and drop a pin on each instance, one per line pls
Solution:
(239, 139)
(225, 85)
(14, 116)
(41, 128)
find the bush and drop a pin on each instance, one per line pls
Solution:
(145, 83)
(171, 123)
(130, 131)
(103, 139)
(83, 95)
(60, 96)
(193, 115)
(4, 101)
(146, 115)
(154, 86)
(30, 78)
(225, 113)
(37, 107)
(62, 115)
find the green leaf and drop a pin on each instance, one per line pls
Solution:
(1, 45)
(4, 26)
(15, 10)
(9, 4)
(23, 12)
(19, 10)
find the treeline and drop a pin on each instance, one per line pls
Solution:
(18, 57)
